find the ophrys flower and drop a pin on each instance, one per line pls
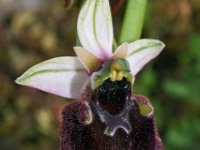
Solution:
(107, 115)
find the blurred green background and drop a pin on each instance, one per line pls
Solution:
(32, 31)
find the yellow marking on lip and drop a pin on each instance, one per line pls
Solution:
(119, 71)
(120, 76)
(113, 75)
(116, 76)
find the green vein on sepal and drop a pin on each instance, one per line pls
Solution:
(148, 46)
(22, 79)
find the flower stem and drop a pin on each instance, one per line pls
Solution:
(133, 20)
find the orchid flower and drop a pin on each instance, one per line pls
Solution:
(65, 76)
(107, 115)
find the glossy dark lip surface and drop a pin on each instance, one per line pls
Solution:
(112, 95)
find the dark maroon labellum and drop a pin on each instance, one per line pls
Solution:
(112, 95)
(115, 121)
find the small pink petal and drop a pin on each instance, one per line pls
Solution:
(91, 62)
(121, 52)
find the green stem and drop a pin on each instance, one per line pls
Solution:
(133, 21)
(114, 44)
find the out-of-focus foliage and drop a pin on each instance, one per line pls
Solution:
(29, 119)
